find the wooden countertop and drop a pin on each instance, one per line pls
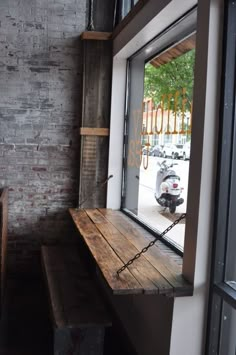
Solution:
(113, 239)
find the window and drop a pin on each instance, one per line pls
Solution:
(203, 151)
(123, 7)
(222, 320)
(158, 130)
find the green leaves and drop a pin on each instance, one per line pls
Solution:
(176, 75)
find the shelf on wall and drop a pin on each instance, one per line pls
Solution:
(94, 35)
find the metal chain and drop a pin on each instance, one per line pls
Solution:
(150, 244)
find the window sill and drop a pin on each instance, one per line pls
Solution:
(113, 239)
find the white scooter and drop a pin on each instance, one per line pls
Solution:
(168, 189)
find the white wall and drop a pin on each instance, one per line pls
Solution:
(189, 313)
(116, 133)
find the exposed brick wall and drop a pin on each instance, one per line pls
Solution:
(40, 108)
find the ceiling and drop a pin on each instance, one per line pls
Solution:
(175, 51)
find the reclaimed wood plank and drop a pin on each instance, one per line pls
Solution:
(88, 131)
(96, 35)
(146, 274)
(94, 158)
(97, 83)
(75, 300)
(83, 305)
(105, 257)
(170, 270)
(97, 73)
(174, 52)
(58, 314)
(60, 258)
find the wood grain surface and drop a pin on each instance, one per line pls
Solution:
(113, 239)
(97, 74)
(96, 35)
(88, 131)
(106, 258)
(73, 295)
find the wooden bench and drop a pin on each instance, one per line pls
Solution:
(77, 309)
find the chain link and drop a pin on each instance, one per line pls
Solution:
(150, 244)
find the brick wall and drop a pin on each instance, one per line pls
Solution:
(40, 104)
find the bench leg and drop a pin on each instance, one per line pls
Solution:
(84, 341)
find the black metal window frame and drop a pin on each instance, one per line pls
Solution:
(120, 5)
(220, 290)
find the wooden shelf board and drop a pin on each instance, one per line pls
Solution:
(95, 35)
(89, 131)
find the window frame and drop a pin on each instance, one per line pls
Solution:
(152, 20)
(220, 291)
(137, 33)
(176, 32)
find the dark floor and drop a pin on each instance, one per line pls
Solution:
(25, 327)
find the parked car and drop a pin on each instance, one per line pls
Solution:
(147, 150)
(186, 150)
(156, 151)
(174, 151)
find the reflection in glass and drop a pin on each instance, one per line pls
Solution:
(230, 273)
(126, 7)
(232, 284)
(159, 138)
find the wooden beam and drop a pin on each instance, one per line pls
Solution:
(87, 131)
(97, 76)
(94, 35)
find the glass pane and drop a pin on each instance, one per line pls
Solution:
(228, 331)
(126, 7)
(159, 138)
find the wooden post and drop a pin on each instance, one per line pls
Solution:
(94, 131)
(95, 123)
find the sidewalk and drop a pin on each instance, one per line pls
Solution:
(157, 216)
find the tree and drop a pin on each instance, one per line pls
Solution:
(169, 78)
